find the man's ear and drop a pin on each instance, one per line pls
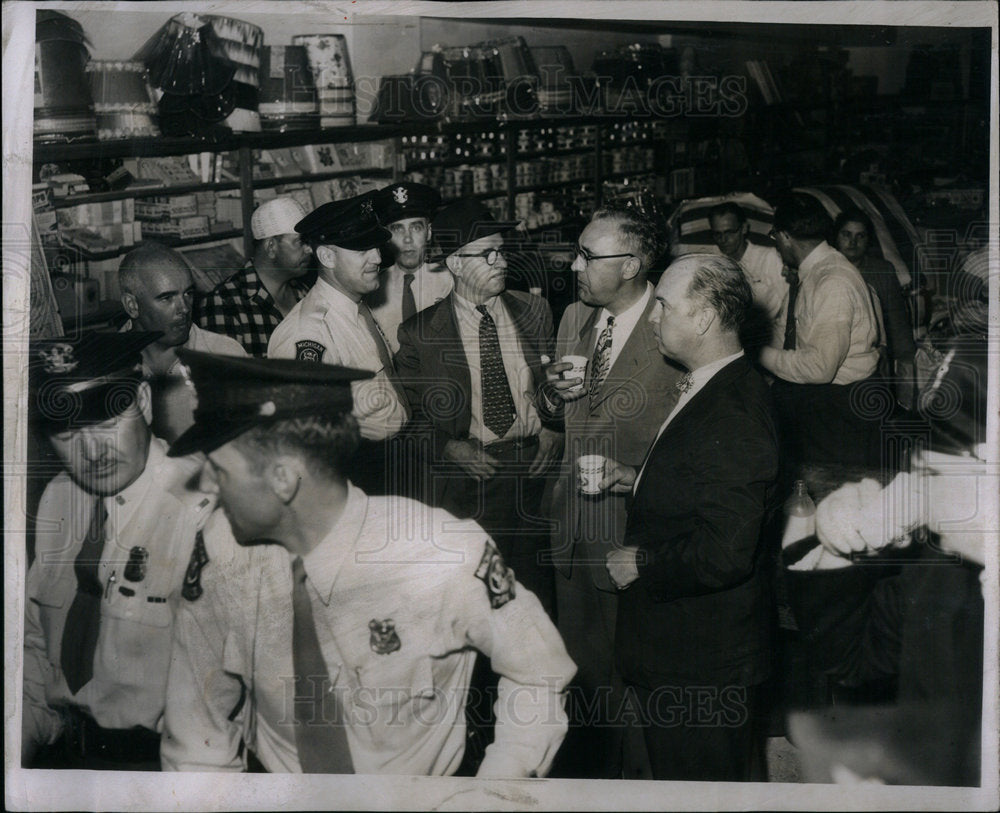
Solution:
(631, 267)
(326, 255)
(271, 247)
(704, 319)
(131, 305)
(284, 476)
(453, 263)
(144, 400)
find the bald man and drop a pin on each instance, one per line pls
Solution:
(157, 292)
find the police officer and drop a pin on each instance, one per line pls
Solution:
(333, 325)
(375, 605)
(410, 284)
(118, 547)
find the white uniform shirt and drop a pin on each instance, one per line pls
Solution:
(431, 283)
(133, 648)
(837, 331)
(326, 326)
(519, 377)
(433, 582)
(762, 266)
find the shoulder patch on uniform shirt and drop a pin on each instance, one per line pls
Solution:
(309, 351)
(384, 638)
(192, 589)
(498, 578)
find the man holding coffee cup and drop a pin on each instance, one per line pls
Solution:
(694, 611)
(613, 389)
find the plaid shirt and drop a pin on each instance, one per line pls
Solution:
(243, 308)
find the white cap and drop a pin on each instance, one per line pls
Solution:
(275, 217)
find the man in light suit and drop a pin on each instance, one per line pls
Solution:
(694, 614)
(623, 401)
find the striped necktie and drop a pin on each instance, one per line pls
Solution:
(600, 364)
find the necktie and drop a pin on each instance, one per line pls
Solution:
(684, 383)
(793, 292)
(409, 303)
(382, 346)
(601, 361)
(321, 743)
(498, 403)
(83, 623)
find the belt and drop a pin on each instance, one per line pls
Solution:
(501, 446)
(84, 737)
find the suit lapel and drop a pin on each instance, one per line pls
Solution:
(695, 408)
(638, 352)
(448, 355)
(528, 332)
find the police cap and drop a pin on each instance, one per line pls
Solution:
(405, 199)
(85, 379)
(351, 224)
(236, 394)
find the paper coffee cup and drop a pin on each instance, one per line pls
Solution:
(579, 370)
(591, 469)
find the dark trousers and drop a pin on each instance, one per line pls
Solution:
(84, 745)
(595, 700)
(702, 732)
(824, 424)
(508, 506)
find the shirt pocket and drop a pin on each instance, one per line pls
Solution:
(54, 597)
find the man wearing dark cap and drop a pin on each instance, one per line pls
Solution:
(333, 325)
(410, 284)
(345, 644)
(471, 365)
(118, 548)
(250, 304)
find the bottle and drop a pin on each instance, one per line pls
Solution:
(800, 515)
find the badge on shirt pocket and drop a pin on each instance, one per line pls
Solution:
(384, 638)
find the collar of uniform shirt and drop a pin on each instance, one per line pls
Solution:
(625, 321)
(323, 562)
(126, 502)
(337, 300)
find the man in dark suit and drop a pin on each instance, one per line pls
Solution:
(695, 610)
(627, 391)
(471, 365)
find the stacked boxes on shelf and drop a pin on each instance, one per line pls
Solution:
(99, 227)
(171, 217)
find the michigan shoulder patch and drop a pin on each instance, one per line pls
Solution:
(498, 578)
(309, 351)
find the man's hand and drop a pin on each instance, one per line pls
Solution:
(550, 448)
(473, 460)
(557, 388)
(618, 478)
(622, 567)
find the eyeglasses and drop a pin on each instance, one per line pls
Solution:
(588, 257)
(490, 255)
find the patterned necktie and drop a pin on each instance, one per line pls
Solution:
(498, 403)
(83, 623)
(321, 743)
(409, 303)
(793, 293)
(684, 383)
(601, 361)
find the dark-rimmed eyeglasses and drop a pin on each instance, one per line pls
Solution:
(490, 255)
(587, 257)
